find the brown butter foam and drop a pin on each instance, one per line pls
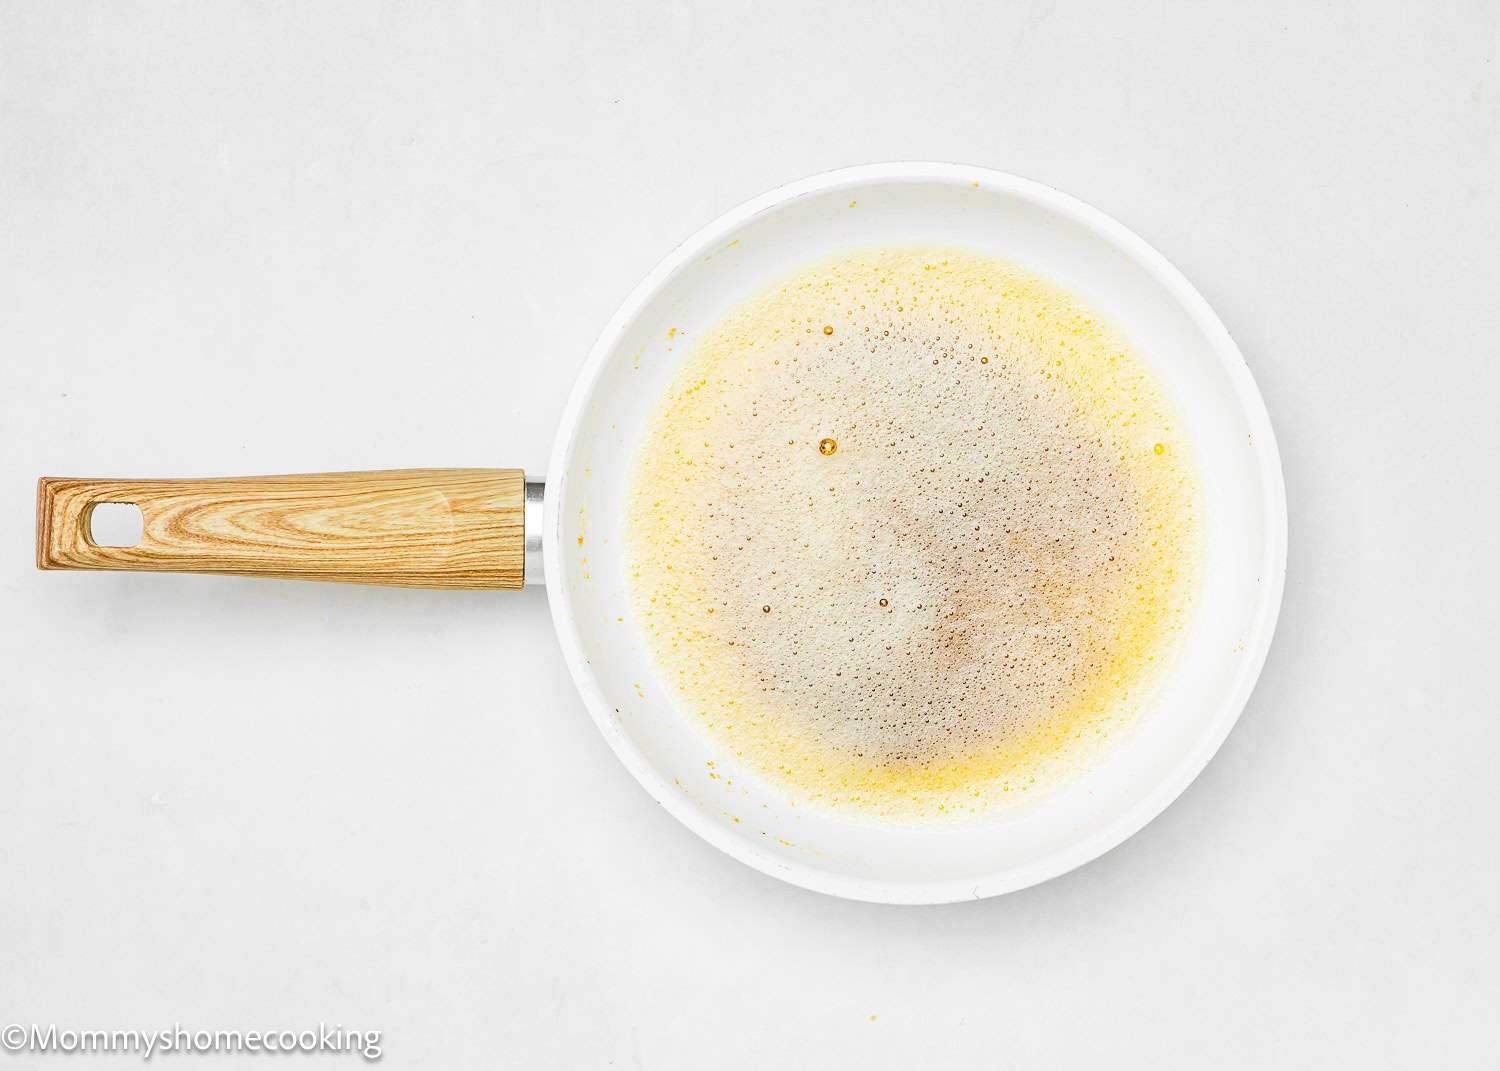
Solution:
(913, 533)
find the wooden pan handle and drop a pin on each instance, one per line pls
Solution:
(422, 528)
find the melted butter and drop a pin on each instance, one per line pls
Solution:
(1008, 488)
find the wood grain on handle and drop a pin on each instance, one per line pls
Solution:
(425, 528)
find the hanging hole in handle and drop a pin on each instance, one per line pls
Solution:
(114, 524)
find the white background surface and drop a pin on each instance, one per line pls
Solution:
(289, 237)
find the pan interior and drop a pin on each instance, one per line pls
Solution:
(589, 568)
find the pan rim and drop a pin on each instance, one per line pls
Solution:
(1215, 729)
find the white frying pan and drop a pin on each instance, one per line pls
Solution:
(489, 528)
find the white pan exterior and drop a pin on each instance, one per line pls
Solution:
(1170, 326)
